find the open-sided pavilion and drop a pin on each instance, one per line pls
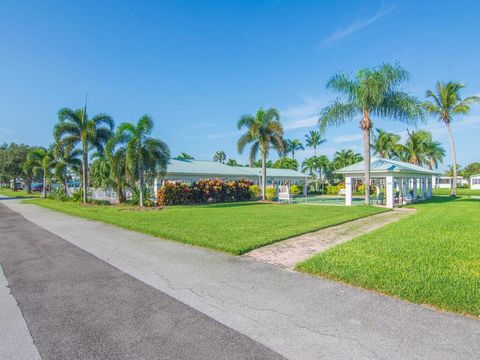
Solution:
(400, 180)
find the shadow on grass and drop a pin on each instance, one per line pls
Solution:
(3, 198)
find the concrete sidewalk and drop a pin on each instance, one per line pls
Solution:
(299, 316)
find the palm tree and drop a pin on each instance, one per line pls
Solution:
(435, 153)
(314, 139)
(373, 92)
(414, 151)
(264, 130)
(446, 103)
(66, 157)
(232, 162)
(220, 157)
(144, 154)
(42, 160)
(344, 158)
(184, 156)
(75, 127)
(293, 145)
(385, 144)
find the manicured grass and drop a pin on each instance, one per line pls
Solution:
(18, 193)
(431, 257)
(234, 228)
(460, 192)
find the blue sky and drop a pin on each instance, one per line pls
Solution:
(197, 66)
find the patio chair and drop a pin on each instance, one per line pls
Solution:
(380, 198)
(284, 194)
(408, 199)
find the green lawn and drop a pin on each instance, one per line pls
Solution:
(460, 192)
(234, 228)
(432, 257)
(18, 193)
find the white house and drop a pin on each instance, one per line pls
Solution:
(475, 182)
(445, 182)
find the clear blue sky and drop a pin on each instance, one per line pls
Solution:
(196, 66)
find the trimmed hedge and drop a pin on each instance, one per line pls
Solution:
(205, 191)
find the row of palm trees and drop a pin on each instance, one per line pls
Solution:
(122, 158)
(372, 92)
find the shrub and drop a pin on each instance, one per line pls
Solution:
(255, 191)
(270, 194)
(77, 195)
(58, 193)
(205, 191)
(295, 190)
(332, 189)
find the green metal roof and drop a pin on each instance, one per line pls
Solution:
(211, 168)
(386, 165)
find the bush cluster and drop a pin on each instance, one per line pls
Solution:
(334, 189)
(205, 191)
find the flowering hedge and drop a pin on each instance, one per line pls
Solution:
(205, 191)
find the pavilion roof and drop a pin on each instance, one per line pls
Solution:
(378, 165)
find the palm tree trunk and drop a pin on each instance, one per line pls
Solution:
(315, 151)
(85, 173)
(365, 125)
(141, 186)
(264, 175)
(454, 160)
(44, 191)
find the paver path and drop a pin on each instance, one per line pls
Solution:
(290, 252)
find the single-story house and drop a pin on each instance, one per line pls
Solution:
(475, 182)
(445, 182)
(188, 171)
(401, 181)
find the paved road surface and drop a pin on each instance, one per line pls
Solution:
(79, 307)
(298, 316)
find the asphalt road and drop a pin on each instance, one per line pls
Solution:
(77, 306)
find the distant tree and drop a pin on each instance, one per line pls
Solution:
(450, 172)
(286, 163)
(42, 160)
(415, 149)
(314, 139)
(145, 156)
(471, 169)
(345, 158)
(385, 144)
(446, 103)
(184, 156)
(434, 154)
(232, 162)
(373, 92)
(13, 156)
(291, 146)
(264, 131)
(220, 157)
(258, 164)
(74, 127)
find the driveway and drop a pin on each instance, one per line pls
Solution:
(295, 315)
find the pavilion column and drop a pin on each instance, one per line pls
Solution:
(414, 189)
(430, 186)
(424, 188)
(403, 190)
(348, 191)
(389, 191)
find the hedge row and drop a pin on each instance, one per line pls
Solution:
(205, 191)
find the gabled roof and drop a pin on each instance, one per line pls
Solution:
(475, 176)
(216, 169)
(378, 165)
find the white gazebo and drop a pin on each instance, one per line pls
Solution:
(401, 180)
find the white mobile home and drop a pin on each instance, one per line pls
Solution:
(475, 182)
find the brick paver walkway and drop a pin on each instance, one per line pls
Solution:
(289, 252)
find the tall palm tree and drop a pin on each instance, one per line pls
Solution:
(385, 144)
(314, 139)
(293, 145)
(264, 131)
(66, 158)
(75, 127)
(220, 157)
(446, 103)
(144, 154)
(42, 160)
(373, 92)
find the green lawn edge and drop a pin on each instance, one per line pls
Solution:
(243, 247)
